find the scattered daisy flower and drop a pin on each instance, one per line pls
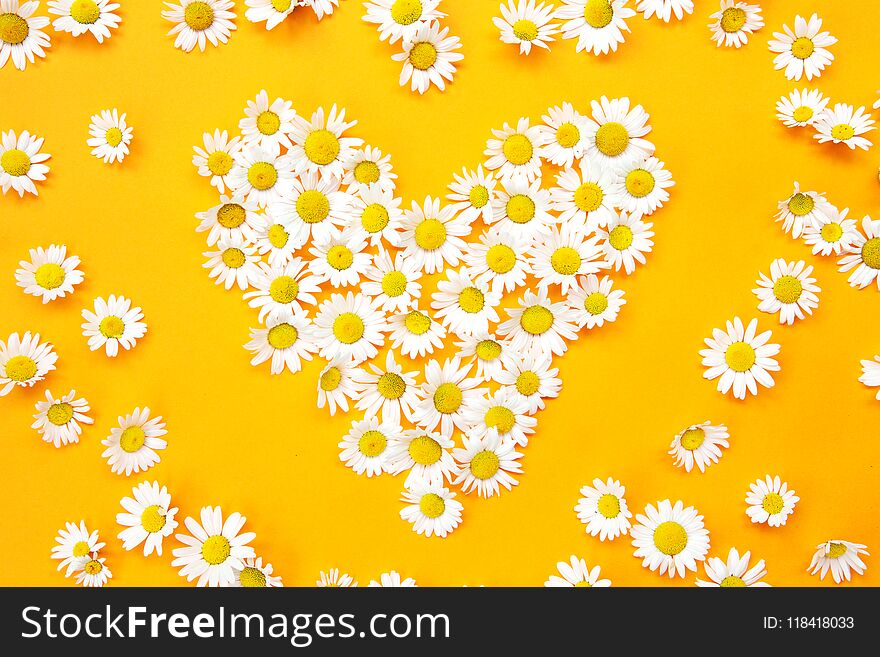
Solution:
(603, 509)
(670, 539)
(863, 255)
(392, 282)
(801, 107)
(319, 146)
(21, 33)
(522, 208)
(789, 290)
(279, 290)
(446, 393)
(527, 24)
(833, 234)
(598, 25)
(115, 322)
(256, 575)
(585, 194)
(233, 217)
(594, 302)
(486, 351)
(21, 162)
(735, 572)
(234, 262)
(400, 19)
(739, 358)
(365, 445)
(272, 239)
(700, 445)
(472, 194)
(499, 259)
(770, 501)
(516, 150)
(93, 572)
(267, 125)
(271, 12)
(563, 255)
(75, 544)
(664, 9)
(49, 274)
(803, 209)
(415, 334)
(505, 413)
(148, 518)
(389, 392)
(563, 134)
(336, 384)
(840, 557)
(392, 580)
(431, 236)
(378, 215)
(486, 463)
(333, 579)
(80, 16)
(196, 22)
(214, 549)
(285, 340)
(131, 447)
(530, 377)
(626, 241)
(641, 185)
(261, 176)
(844, 125)
(426, 455)
(110, 136)
(735, 22)
(58, 419)
(539, 324)
(428, 58)
(217, 157)
(614, 133)
(349, 326)
(24, 361)
(870, 373)
(431, 509)
(322, 7)
(463, 306)
(576, 573)
(340, 257)
(368, 169)
(802, 51)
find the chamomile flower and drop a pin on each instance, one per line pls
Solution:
(282, 289)
(368, 169)
(735, 22)
(24, 361)
(197, 22)
(333, 579)
(770, 501)
(21, 162)
(364, 447)
(431, 509)
(93, 572)
(272, 238)
(217, 157)
(840, 557)
(267, 125)
(389, 391)
(447, 393)
(148, 518)
(271, 12)
(58, 419)
(598, 25)
(378, 215)
(349, 326)
(801, 107)
(804, 50)
(392, 282)
(233, 262)
(261, 176)
(595, 302)
(49, 274)
(400, 19)
(789, 290)
(563, 255)
(425, 454)
(670, 539)
(115, 322)
(472, 194)
(131, 446)
(863, 255)
(614, 133)
(530, 377)
(803, 209)
(321, 7)
(576, 573)
(602, 508)
(415, 333)
(340, 257)
(844, 125)
(699, 444)
(735, 572)
(256, 575)
(486, 351)
(21, 33)
(75, 544)
(505, 413)
(499, 259)
(833, 234)
(486, 463)
(740, 359)
(393, 580)
(516, 151)
(431, 236)
(336, 384)
(428, 57)
(539, 324)
(641, 186)
(313, 207)
(585, 195)
(626, 240)
(464, 307)
(522, 208)
(285, 340)
(213, 550)
(870, 373)
(319, 146)
(526, 24)
(664, 9)
(231, 218)
(563, 135)
(81, 16)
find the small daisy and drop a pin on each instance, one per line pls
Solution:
(844, 125)
(431, 236)
(499, 259)
(21, 33)
(75, 544)
(641, 186)
(233, 217)
(539, 324)
(834, 234)
(425, 454)
(318, 144)
(272, 239)
(115, 322)
(598, 25)
(24, 361)
(271, 12)
(614, 133)
(333, 579)
(391, 391)
(735, 22)
(699, 444)
(526, 24)
(49, 274)
(770, 501)
(366, 170)
(131, 447)
(267, 125)
(863, 255)
(790, 290)
(594, 302)
(349, 326)
(21, 162)
(377, 215)
(735, 572)
(234, 262)
(870, 373)
(530, 377)
(486, 463)
(801, 107)
(58, 419)
(576, 573)
(313, 207)
(217, 157)
(563, 255)
(804, 50)
(286, 340)
(393, 580)
(603, 509)
(340, 257)
(472, 194)
(585, 195)
(431, 509)
(282, 289)
(464, 307)
(148, 518)
(428, 58)
(505, 413)
(446, 394)
(522, 208)
(321, 7)
(516, 150)
(626, 241)
(196, 22)
(415, 333)
(563, 134)
(261, 176)
(400, 19)
(840, 557)
(336, 384)
(740, 359)
(484, 349)
(664, 9)
(392, 283)
(214, 549)
(670, 538)
(364, 447)
(110, 136)
(93, 571)
(256, 575)
(803, 209)
(80, 16)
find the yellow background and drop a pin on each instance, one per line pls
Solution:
(254, 443)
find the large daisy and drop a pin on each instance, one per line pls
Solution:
(802, 51)
(392, 282)
(110, 136)
(802, 209)
(598, 25)
(602, 508)
(21, 162)
(539, 323)
(834, 234)
(789, 290)
(75, 544)
(840, 557)
(564, 135)
(336, 384)
(267, 125)
(499, 259)
(530, 377)
(670, 539)
(217, 157)
(214, 549)
(388, 392)
(131, 446)
(595, 302)
(563, 255)
(801, 107)
(197, 22)
(58, 419)
(522, 208)
(735, 572)
(626, 240)
(516, 150)
(614, 133)
(234, 261)
(471, 194)
(844, 125)
(486, 463)
(21, 33)
(431, 509)
(428, 57)
(367, 169)
(576, 573)
(400, 19)
(319, 146)
(770, 501)
(431, 236)
(641, 185)
(349, 326)
(585, 195)
(871, 373)
(446, 393)
(700, 445)
(505, 413)
(114, 323)
(415, 333)
(425, 454)
(340, 257)
(735, 22)
(285, 340)
(24, 361)
(863, 255)
(282, 289)
(740, 359)
(81, 16)
(527, 24)
(148, 518)
(261, 176)
(464, 307)
(49, 274)
(364, 447)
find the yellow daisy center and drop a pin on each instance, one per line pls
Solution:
(484, 465)
(596, 303)
(278, 236)
(13, 28)
(199, 16)
(871, 253)
(60, 413)
(313, 206)
(693, 438)
(802, 114)
(732, 581)
(372, 443)
(348, 328)
(588, 197)
(322, 147)
(93, 567)
(281, 5)
(773, 503)
(284, 289)
(740, 356)
(80, 549)
(520, 209)
(432, 505)
(406, 12)
(375, 218)
(112, 327)
(430, 234)
(447, 398)
(424, 450)
(639, 183)
(527, 383)
(536, 320)
(262, 175)
(525, 30)
(670, 538)
(620, 237)
(49, 276)
(566, 261)
(787, 289)
(598, 13)
(500, 258)
(331, 379)
(612, 138)
(488, 350)
(394, 284)
(479, 196)
(836, 550)
(423, 55)
(216, 549)
(231, 215)
(282, 336)
(152, 519)
(567, 135)
(132, 439)
(831, 232)
(733, 19)
(843, 131)
(471, 300)
(802, 47)
(366, 172)
(500, 417)
(391, 385)
(417, 322)
(608, 505)
(21, 368)
(219, 163)
(252, 578)
(801, 204)
(584, 584)
(15, 162)
(340, 257)
(233, 257)
(518, 149)
(268, 122)
(113, 137)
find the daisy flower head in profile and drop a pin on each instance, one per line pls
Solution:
(471, 194)
(93, 572)
(598, 25)
(530, 377)
(350, 326)
(563, 134)
(863, 255)
(446, 393)
(24, 361)
(431, 236)
(79, 17)
(400, 19)
(499, 259)
(516, 150)
(415, 333)
(602, 508)
(378, 215)
(340, 257)
(21, 162)
(563, 255)
(21, 33)
(110, 136)
(801, 107)
(700, 445)
(429, 57)
(463, 306)
(486, 351)
(256, 575)
(114, 323)
(526, 23)
(392, 281)
(148, 518)
(641, 185)
(576, 573)
(364, 447)
(615, 131)
(844, 125)
(336, 384)
(75, 544)
(735, 22)
(834, 234)
(431, 509)
(871, 373)
(285, 340)
(804, 50)
(670, 539)
(214, 549)
(505, 413)
(789, 290)
(393, 580)
(595, 302)
(261, 176)
(334, 579)
(664, 9)
(58, 419)
(231, 218)
(217, 157)
(270, 12)
(770, 501)
(585, 194)
(486, 463)
(740, 358)
(267, 125)
(131, 446)
(539, 323)
(735, 572)
(802, 209)
(233, 262)
(319, 144)
(840, 557)
(388, 392)
(367, 169)
(198, 22)
(284, 289)
(49, 274)
(425, 454)
(626, 239)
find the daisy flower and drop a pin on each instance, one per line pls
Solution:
(576, 573)
(336, 384)
(563, 255)
(663, 9)
(349, 326)
(486, 463)
(390, 391)
(256, 575)
(285, 340)
(313, 207)
(93, 572)
(415, 334)
(863, 255)
(530, 377)
(392, 282)
(431, 236)
(21, 162)
(75, 544)
(735, 572)
(598, 25)
(870, 373)
(261, 176)
(563, 135)
(840, 557)
(801, 107)
(603, 509)
(699, 444)
(585, 195)
(463, 306)
(428, 58)
(24, 361)
(340, 257)
(833, 234)
(803, 209)
(21, 33)
(364, 447)
(131, 447)
(802, 51)
(49, 274)
(267, 125)
(522, 208)
(641, 185)
(594, 302)
(735, 22)
(539, 324)
(148, 518)
(844, 125)
(272, 239)
(770, 501)
(282, 289)
(446, 394)
(400, 19)
(271, 12)
(217, 157)
(196, 22)
(377, 215)
(626, 241)
(499, 259)
(526, 24)
(80, 16)
(233, 217)
(790, 290)
(614, 133)
(392, 580)
(505, 413)
(234, 262)
(321, 7)
(739, 358)
(425, 454)
(431, 509)
(333, 579)
(516, 150)
(484, 349)
(110, 136)
(472, 194)
(214, 549)
(366, 169)
(115, 322)
(319, 146)
(58, 419)
(670, 538)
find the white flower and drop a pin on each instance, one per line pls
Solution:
(740, 359)
(391, 391)
(516, 150)
(670, 539)
(446, 394)
(425, 454)
(197, 22)
(261, 176)
(790, 290)
(564, 135)
(364, 447)
(735, 22)
(217, 157)
(472, 194)
(626, 240)
(527, 24)
(367, 169)
(75, 544)
(378, 215)
(833, 234)
(803, 209)
(840, 557)
(81, 16)
(540, 324)
(392, 283)
(131, 446)
(340, 257)
(486, 463)
(58, 419)
(215, 549)
(282, 289)
(664, 9)
(22, 37)
(871, 373)
(522, 208)
(415, 333)
(232, 218)
(802, 51)
(256, 575)
(349, 326)
(49, 274)
(801, 107)
(336, 384)
(286, 340)
(770, 501)
(503, 412)
(530, 377)
(392, 579)
(267, 125)
(463, 306)
(272, 12)
(431, 509)
(594, 302)
(148, 518)
(93, 572)
(598, 25)
(585, 194)
(21, 162)
(863, 255)
(333, 579)
(431, 237)
(400, 19)
(603, 509)
(576, 573)
(114, 323)
(24, 361)
(844, 125)
(499, 259)
(110, 136)
(641, 185)
(319, 145)
(428, 58)
(734, 573)
(563, 255)
(699, 444)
